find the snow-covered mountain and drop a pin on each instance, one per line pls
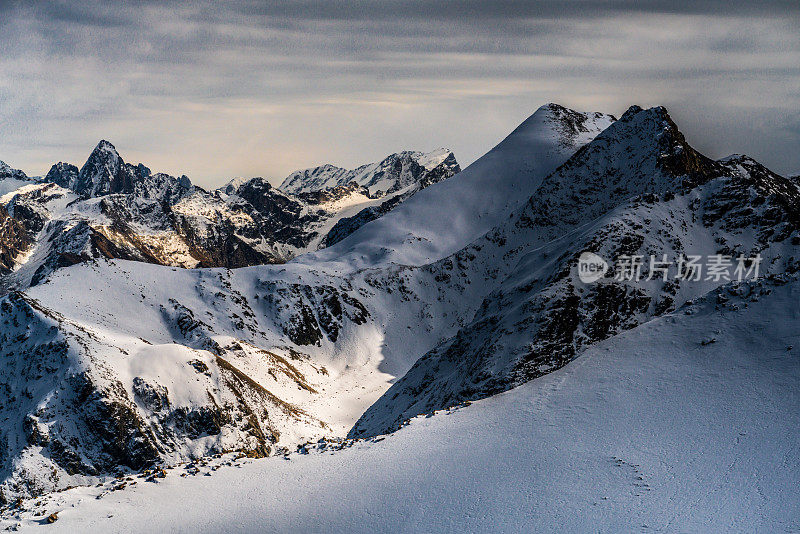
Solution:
(466, 289)
(113, 209)
(105, 173)
(355, 332)
(325, 211)
(395, 172)
(637, 189)
(11, 179)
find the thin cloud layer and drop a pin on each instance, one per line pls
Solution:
(262, 88)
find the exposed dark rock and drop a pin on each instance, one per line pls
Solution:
(14, 240)
(64, 175)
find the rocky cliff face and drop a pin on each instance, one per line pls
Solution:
(14, 240)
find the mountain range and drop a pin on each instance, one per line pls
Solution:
(343, 304)
(113, 209)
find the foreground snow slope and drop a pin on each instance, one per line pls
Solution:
(653, 430)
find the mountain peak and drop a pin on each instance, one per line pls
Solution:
(555, 124)
(654, 135)
(233, 185)
(738, 159)
(63, 174)
(642, 152)
(630, 112)
(105, 146)
(552, 108)
(655, 112)
(6, 171)
(101, 174)
(105, 172)
(106, 152)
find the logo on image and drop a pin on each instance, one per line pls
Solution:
(591, 267)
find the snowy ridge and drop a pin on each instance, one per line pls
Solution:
(441, 220)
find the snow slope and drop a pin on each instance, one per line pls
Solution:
(8, 185)
(441, 220)
(650, 431)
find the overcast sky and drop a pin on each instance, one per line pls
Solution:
(254, 88)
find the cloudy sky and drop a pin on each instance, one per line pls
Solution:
(263, 88)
